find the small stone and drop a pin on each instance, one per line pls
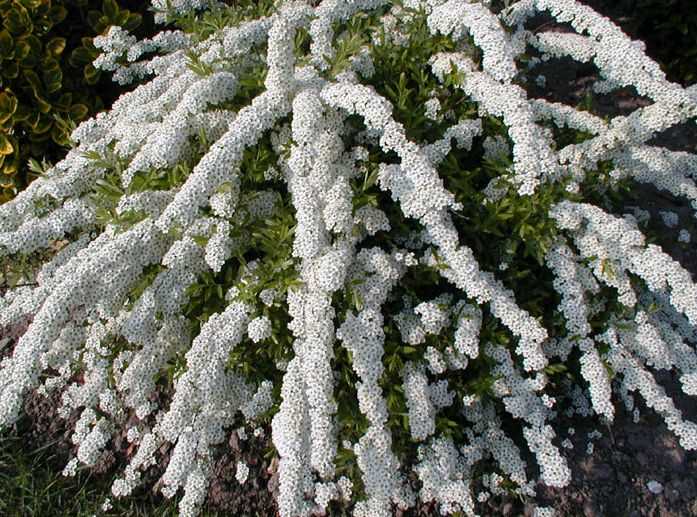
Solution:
(654, 487)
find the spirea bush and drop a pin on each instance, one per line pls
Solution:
(350, 220)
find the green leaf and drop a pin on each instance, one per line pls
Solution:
(22, 113)
(93, 17)
(32, 4)
(91, 74)
(133, 22)
(10, 70)
(18, 21)
(43, 125)
(110, 9)
(59, 136)
(22, 50)
(6, 44)
(64, 102)
(81, 56)
(33, 79)
(8, 106)
(78, 111)
(52, 77)
(43, 105)
(57, 14)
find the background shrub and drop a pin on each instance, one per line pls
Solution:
(47, 81)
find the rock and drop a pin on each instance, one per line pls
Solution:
(654, 487)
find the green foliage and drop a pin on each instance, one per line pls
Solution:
(47, 81)
(218, 16)
(31, 483)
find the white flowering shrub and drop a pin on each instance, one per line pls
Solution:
(351, 221)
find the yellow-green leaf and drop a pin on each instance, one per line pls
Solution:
(8, 105)
(22, 49)
(43, 125)
(64, 102)
(91, 74)
(33, 79)
(6, 146)
(11, 167)
(78, 111)
(44, 107)
(56, 46)
(133, 22)
(59, 136)
(32, 4)
(22, 113)
(18, 20)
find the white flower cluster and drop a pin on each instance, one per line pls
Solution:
(110, 307)
(259, 329)
(363, 336)
(241, 472)
(445, 475)
(177, 7)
